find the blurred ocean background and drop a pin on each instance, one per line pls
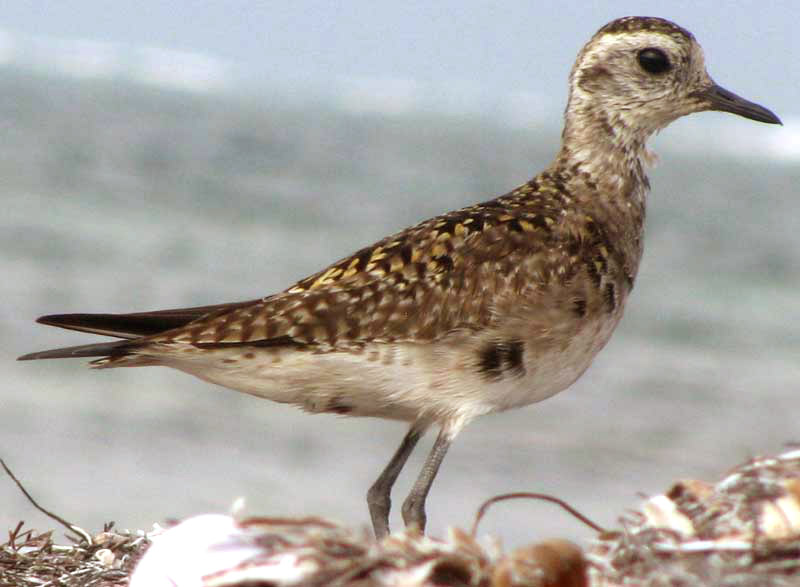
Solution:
(166, 183)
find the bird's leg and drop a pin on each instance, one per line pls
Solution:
(379, 498)
(414, 505)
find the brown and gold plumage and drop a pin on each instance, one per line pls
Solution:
(491, 307)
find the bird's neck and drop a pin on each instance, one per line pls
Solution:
(605, 147)
(602, 164)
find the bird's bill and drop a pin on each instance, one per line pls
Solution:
(721, 99)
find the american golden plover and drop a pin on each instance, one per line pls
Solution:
(491, 307)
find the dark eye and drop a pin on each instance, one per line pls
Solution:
(653, 60)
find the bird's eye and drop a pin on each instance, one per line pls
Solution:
(653, 60)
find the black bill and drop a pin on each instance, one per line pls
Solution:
(721, 99)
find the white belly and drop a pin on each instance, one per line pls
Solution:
(437, 382)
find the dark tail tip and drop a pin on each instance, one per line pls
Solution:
(103, 349)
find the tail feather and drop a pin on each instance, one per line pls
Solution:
(136, 324)
(130, 327)
(103, 349)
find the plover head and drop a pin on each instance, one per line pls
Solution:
(638, 74)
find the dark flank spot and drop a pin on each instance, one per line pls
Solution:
(229, 361)
(249, 355)
(579, 307)
(337, 405)
(515, 349)
(609, 293)
(498, 357)
(490, 361)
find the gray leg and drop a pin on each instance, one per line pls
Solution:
(414, 505)
(379, 499)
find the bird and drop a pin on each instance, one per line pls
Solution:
(495, 306)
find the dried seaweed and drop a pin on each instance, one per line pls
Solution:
(743, 531)
(32, 558)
